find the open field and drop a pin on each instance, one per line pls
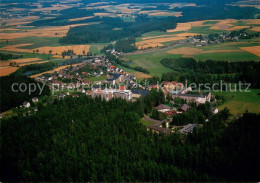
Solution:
(160, 13)
(150, 42)
(253, 49)
(185, 51)
(78, 49)
(151, 61)
(19, 61)
(82, 18)
(6, 70)
(144, 122)
(239, 102)
(186, 26)
(99, 78)
(58, 31)
(228, 56)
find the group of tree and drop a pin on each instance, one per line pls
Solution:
(15, 90)
(114, 29)
(126, 45)
(212, 71)
(106, 142)
(4, 56)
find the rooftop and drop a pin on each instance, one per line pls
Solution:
(188, 128)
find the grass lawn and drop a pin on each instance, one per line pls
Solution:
(151, 61)
(95, 49)
(204, 30)
(36, 42)
(99, 78)
(228, 56)
(30, 55)
(239, 102)
(160, 33)
(144, 122)
(210, 22)
(230, 45)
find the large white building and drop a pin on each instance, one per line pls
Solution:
(108, 94)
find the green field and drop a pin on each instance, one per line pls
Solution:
(151, 61)
(228, 56)
(96, 48)
(144, 122)
(36, 42)
(99, 78)
(204, 30)
(210, 22)
(239, 102)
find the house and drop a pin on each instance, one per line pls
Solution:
(172, 85)
(136, 93)
(61, 95)
(214, 110)
(163, 108)
(75, 95)
(169, 113)
(185, 107)
(158, 129)
(26, 104)
(35, 99)
(199, 99)
(108, 94)
(115, 78)
(188, 128)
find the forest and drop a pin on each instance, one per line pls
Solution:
(10, 99)
(113, 29)
(126, 45)
(106, 142)
(211, 71)
(4, 56)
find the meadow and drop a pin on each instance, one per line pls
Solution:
(151, 61)
(239, 102)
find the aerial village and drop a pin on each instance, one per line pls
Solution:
(73, 81)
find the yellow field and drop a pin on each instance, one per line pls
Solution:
(185, 51)
(54, 7)
(19, 21)
(82, 18)
(180, 5)
(16, 48)
(140, 75)
(58, 31)
(160, 13)
(252, 49)
(78, 49)
(257, 29)
(238, 27)
(41, 62)
(186, 26)
(157, 41)
(4, 71)
(18, 61)
(105, 14)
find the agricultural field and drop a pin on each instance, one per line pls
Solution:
(151, 61)
(18, 35)
(238, 102)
